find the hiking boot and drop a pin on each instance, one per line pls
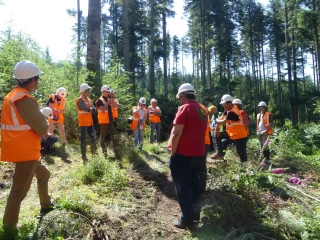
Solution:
(182, 225)
(10, 233)
(218, 156)
(46, 210)
(63, 153)
(83, 148)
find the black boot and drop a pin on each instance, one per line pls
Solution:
(63, 153)
(266, 154)
(84, 152)
(93, 148)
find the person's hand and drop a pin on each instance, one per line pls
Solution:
(258, 133)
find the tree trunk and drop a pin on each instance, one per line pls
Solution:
(209, 69)
(151, 52)
(79, 13)
(289, 65)
(295, 80)
(93, 46)
(316, 36)
(203, 46)
(165, 50)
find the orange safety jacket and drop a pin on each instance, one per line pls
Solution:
(235, 129)
(266, 122)
(207, 136)
(84, 118)
(103, 117)
(153, 118)
(19, 143)
(56, 106)
(247, 128)
(136, 117)
(115, 112)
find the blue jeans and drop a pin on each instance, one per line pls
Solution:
(155, 126)
(185, 173)
(87, 130)
(138, 135)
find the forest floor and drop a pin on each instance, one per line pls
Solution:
(239, 203)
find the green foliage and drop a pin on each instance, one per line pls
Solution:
(76, 201)
(289, 220)
(312, 225)
(107, 175)
(94, 170)
(287, 144)
(312, 136)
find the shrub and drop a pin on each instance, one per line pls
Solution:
(107, 175)
(76, 201)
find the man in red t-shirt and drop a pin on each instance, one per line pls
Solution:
(187, 144)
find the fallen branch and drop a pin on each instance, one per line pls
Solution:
(298, 190)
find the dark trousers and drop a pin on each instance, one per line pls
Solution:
(47, 144)
(185, 173)
(87, 130)
(203, 174)
(241, 145)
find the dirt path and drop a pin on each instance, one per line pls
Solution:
(150, 212)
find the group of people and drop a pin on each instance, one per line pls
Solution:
(26, 129)
(138, 121)
(188, 144)
(23, 121)
(233, 127)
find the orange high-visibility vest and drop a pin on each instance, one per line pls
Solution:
(265, 121)
(241, 111)
(136, 117)
(115, 112)
(57, 107)
(154, 118)
(84, 118)
(103, 117)
(207, 136)
(235, 129)
(19, 143)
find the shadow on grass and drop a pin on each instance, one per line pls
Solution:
(148, 174)
(226, 215)
(152, 156)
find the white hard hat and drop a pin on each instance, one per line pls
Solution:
(186, 88)
(47, 112)
(61, 92)
(262, 104)
(105, 88)
(153, 100)
(226, 98)
(84, 87)
(25, 69)
(112, 91)
(142, 100)
(237, 101)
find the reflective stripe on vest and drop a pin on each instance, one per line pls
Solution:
(14, 129)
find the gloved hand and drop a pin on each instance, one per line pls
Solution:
(54, 118)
